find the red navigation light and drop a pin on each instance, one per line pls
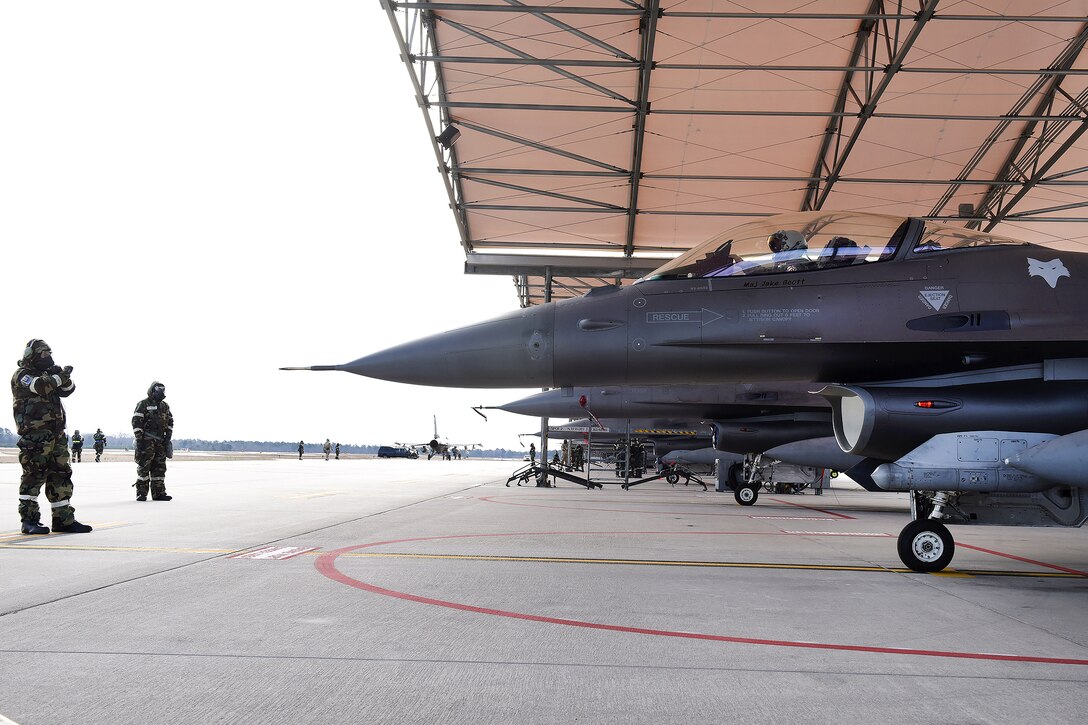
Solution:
(582, 400)
(936, 404)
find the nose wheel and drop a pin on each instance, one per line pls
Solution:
(746, 495)
(926, 545)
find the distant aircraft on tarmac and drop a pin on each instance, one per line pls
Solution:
(440, 446)
(959, 358)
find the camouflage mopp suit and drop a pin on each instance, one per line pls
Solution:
(152, 428)
(36, 390)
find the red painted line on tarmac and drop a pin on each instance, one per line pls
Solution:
(1014, 557)
(326, 565)
(812, 508)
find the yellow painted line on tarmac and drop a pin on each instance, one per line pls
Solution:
(948, 573)
(632, 562)
(77, 547)
(713, 564)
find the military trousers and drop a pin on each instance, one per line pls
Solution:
(151, 467)
(45, 462)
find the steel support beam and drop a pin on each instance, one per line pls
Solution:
(648, 27)
(868, 108)
(565, 266)
(608, 92)
(538, 146)
(1044, 85)
(421, 97)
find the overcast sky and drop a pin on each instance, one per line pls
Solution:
(201, 192)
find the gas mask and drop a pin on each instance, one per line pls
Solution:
(38, 355)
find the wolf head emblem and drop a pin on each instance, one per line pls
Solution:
(1050, 271)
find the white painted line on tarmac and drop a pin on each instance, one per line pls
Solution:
(792, 518)
(5, 721)
(276, 553)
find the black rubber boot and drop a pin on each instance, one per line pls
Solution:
(160, 497)
(141, 497)
(73, 528)
(34, 527)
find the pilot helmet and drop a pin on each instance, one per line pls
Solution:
(785, 240)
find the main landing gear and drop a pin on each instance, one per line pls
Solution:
(925, 544)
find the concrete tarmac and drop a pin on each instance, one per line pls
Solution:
(414, 591)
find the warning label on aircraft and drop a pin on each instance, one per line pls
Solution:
(937, 298)
(778, 314)
(278, 553)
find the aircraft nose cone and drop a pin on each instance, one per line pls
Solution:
(550, 404)
(511, 351)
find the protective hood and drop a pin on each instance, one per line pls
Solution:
(37, 355)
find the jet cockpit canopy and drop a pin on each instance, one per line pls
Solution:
(800, 242)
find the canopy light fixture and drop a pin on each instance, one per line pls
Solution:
(448, 137)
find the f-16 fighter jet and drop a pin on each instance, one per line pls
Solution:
(984, 337)
(666, 435)
(745, 418)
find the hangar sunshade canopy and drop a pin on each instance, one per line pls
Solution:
(598, 138)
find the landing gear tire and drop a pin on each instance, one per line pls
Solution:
(926, 545)
(746, 495)
(672, 478)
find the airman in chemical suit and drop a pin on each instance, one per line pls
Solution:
(152, 429)
(36, 390)
(99, 444)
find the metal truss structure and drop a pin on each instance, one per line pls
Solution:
(583, 141)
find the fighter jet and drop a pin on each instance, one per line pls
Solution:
(984, 337)
(666, 435)
(687, 402)
(747, 421)
(439, 446)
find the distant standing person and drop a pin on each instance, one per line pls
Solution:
(532, 452)
(99, 444)
(152, 428)
(301, 448)
(36, 391)
(77, 446)
(327, 448)
(338, 451)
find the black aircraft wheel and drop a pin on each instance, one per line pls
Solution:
(672, 478)
(926, 545)
(746, 495)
